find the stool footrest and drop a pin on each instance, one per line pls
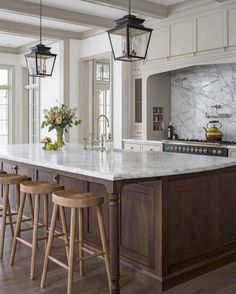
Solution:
(60, 246)
(24, 242)
(57, 261)
(92, 252)
(26, 229)
(92, 255)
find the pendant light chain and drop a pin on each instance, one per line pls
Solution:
(41, 12)
(129, 7)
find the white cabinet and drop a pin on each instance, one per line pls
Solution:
(232, 152)
(132, 146)
(159, 44)
(142, 146)
(152, 147)
(231, 27)
(210, 31)
(182, 37)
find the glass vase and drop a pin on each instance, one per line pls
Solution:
(60, 141)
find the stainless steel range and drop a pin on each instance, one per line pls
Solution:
(197, 147)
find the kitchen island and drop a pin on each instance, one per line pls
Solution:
(169, 216)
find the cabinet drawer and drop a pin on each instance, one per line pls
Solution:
(137, 132)
(232, 153)
(152, 148)
(132, 146)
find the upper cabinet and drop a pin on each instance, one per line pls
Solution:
(210, 31)
(182, 39)
(195, 34)
(159, 44)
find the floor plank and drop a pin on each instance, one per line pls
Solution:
(15, 279)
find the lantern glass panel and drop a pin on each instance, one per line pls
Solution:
(138, 42)
(118, 42)
(45, 64)
(31, 62)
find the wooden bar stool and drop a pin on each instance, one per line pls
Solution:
(6, 180)
(38, 189)
(76, 201)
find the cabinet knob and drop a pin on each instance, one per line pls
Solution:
(55, 179)
(131, 147)
(14, 169)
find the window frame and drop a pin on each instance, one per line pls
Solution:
(10, 89)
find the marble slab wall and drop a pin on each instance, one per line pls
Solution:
(195, 90)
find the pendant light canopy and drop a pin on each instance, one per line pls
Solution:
(129, 39)
(40, 60)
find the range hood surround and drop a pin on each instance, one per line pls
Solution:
(194, 90)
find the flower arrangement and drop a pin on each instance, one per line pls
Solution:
(60, 118)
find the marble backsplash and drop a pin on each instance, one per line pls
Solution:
(195, 90)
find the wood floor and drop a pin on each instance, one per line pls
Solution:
(15, 279)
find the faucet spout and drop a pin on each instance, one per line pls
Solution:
(108, 123)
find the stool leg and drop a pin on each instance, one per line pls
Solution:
(64, 230)
(81, 241)
(49, 245)
(31, 209)
(71, 251)
(46, 218)
(104, 243)
(18, 197)
(17, 230)
(4, 217)
(10, 216)
(35, 236)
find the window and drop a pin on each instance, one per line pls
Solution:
(4, 104)
(102, 72)
(33, 110)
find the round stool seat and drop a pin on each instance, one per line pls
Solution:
(12, 179)
(39, 187)
(73, 199)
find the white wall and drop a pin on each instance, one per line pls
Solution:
(13, 61)
(50, 90)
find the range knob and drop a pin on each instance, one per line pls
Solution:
(179, 148)
(219, 152)
(196, 150)
(205, 150)
(183, 149)
(214, 151)
(200, 150)
(191, 149)
(175, 148)
(187, 149)
(171, 148)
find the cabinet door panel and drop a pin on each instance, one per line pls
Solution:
(138, 224)
(231, 27)
(182, 38)
(210, 31)
(159, 43)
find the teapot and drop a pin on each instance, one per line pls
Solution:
(213, 133)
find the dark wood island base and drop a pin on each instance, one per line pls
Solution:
(171, 228)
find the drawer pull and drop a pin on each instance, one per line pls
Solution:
(150, 149)
(131, 147)
(55, 179)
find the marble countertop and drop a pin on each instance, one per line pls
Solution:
(116, 165)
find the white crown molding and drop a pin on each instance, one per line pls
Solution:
(9, 50)
(91, 33)
(63, 15)
(33, 31)
(138, 6)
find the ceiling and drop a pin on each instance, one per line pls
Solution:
(72, 17)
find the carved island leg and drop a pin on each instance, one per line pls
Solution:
(115, 242)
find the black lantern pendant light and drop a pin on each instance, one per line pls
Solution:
(40, 60)
(129, 39)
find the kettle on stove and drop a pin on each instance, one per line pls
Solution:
(213, 133)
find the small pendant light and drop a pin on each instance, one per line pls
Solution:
(129, 39)
(40, 60)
